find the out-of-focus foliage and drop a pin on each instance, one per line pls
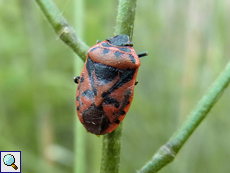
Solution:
(188, 44)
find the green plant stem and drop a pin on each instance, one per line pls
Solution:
(125, 17)
(62, 28)
(67, 34)
(167, 152)
(111, 146)
(111, 151)
(79, 132)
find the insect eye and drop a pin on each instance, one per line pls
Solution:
(105, 74)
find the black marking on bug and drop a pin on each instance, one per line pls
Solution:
(105, 51)
(125, 76)
(124, 102)
(78, 98)
(118, 54)
(105, 73)
(132, 58)
(123, 112)
(88, 93)
(91, 50)
(82, 79)
(110, 100)
(90, 66)
(106, 45)
(95, 119)
(117, 121)
(124, 49)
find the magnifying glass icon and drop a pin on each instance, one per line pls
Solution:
(9, 160)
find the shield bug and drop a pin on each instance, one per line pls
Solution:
(106, 84)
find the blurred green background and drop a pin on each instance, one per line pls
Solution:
(188, 44)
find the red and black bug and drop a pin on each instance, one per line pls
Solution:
(106, 84)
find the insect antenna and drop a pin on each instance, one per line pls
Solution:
(141, 54)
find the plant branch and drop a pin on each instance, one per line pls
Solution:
(125, 17)
(110, 161)
(79, 130)
(167, 152)
(62, 28)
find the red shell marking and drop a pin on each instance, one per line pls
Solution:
(106, 84)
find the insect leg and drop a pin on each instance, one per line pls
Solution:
(76, 79)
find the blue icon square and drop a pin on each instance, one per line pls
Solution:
(10, 161)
